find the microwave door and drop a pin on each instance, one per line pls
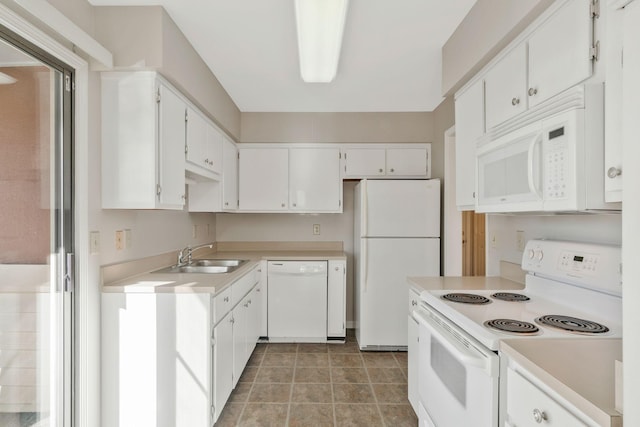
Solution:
(509, 173)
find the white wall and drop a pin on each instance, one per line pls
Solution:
(245, 227)
(604, 229)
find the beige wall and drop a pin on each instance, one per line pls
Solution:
(488, 27)
(337, 127)
(145, 37)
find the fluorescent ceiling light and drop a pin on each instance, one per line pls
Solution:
(320, 26)
(6, 79)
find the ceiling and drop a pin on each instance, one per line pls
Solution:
(390, 59)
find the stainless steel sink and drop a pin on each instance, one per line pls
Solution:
(208, 266)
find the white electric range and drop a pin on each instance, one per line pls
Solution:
(571, 290)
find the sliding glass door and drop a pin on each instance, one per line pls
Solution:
(36, 237)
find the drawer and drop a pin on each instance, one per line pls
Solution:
(243, 285)
(222, 303)
(526, 404)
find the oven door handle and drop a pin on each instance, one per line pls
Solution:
(462, 353)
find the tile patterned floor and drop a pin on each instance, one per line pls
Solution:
(321, 385)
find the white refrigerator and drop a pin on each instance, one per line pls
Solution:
(397, 234)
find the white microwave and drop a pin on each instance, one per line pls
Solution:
(552, 164)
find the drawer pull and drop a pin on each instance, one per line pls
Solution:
(539, 416)
(413, 302)
(226, 299)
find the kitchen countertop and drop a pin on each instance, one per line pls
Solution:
(580, 370)
(462, 283)
(149, 282)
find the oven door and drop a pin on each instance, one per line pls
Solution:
(457, 377)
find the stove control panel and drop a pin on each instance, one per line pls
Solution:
(587, 265)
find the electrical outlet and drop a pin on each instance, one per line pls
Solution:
(127, 238)
(94, 242)
(194, 231)
(520, 240)
(316, 229)
(119, 240)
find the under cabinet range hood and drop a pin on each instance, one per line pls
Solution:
(548, 160)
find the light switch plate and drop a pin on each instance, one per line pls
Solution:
(94, 242)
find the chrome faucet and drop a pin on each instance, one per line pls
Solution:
(188, 252)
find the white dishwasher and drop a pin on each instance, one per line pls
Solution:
(297, 301)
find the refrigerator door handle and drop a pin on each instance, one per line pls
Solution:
(365, 264)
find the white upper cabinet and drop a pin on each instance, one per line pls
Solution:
(204, 146)
(556, 55)
(469, 108)
(143, 141)
(506, 84)
(264, 179)
(171, 183)
(289, 178)
(364, 162)
(314, 179)
(386, 161)
(559, 52)
(229, 175)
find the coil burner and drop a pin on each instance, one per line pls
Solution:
(510, 296)
(512, 326)
(466, 298)
(571, 324)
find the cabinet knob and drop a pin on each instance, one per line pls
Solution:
(515, 101)
(613, 172)
(226, 203)
(294, 205)
(532, 91)
(391, 170)
(380, 170)
(282, 205)
(226, 299)
(413, 302)
(539, 416)
(337, 268)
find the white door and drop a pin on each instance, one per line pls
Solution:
(240, 327)
(336, 296)
(407, 162)
(229, 176)
(222, 363)
(364, 162)
(386, 263)
(214, 148)
(407, 208)
(505, 87)
(196, 151)
(171, 150)
(559, 56)
(469, 127)
(413, 357)
(314, 179)
(264, 179)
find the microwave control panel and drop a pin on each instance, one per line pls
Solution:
(556, 155)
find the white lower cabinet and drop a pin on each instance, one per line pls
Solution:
(529, 406)
(336, 299)
(412, 353)
(222, 366)
(173, 359)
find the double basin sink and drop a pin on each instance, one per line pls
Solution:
(215, 266)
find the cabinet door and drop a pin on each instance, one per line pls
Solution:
(264, 289)
(264, 179)
(336, 298)
(240, 330)
(255, 318)
(407, 162)
(469, 127)
(314, 179)
(214, 149)
(171, 184)
(196, 149)
(412, 363)
(505, 87)
(559, 52)
(229, 176)
(222, 363)
(364, 162)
